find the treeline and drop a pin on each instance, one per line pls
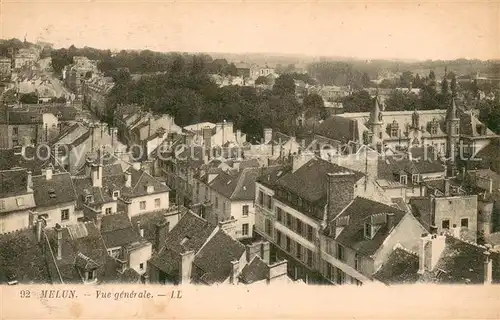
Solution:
(188, 94)
(11, 46)
(339, 74)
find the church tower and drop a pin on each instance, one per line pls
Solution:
(452, 131)
(375, 123)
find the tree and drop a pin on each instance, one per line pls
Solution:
(314, 106)
(261, 80)
(358, 101)
(444, 87)
(284, 85)
(453, 86)
(432, 75)
(399, 100)
(29, 98)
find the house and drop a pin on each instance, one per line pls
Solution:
(66, 114)
(228, 195)
(360, 238)
(441, 259)
(275, 145)
(21, 128)
(449, 212)
(55, 197)
(197, 252)
(16, 200)
(26, 157)
(95, 92)
(79, 255)
(294, 204)
(5, 68)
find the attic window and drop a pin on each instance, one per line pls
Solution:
(52, 193)
(403, 179)
(150, 189)
(183, 241)
(89, 199)
(368, 231)
(116, 194)
(414, 178)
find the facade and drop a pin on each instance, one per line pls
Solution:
(95, 91)
(5, 67)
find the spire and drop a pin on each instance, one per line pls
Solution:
(376, 115)
(451, 114)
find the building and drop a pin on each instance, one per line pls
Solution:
(76, 74)
(26, 58)
(442, 129)
(361, 237)
(275, 145)
(228, 195)
(22, 128)
(197, 252)
(294, 204)
(5, 68)
(16, 200)
(95, 91)
(441, 259)
(66, 114)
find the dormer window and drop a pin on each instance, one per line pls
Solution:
(89, 199)
(394, 129)
(403, 179)
(52, 193)
(414, 178)
(90, 275)
(20, 202)
(150, 189)
(116, 194)
(434, 126)
(368, 231)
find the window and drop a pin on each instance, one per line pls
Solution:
(20, 202)
(380, 135)
(33, 141)
(64, 214)
(15, 142)
(90, 275)
(357, 262)
(288, 243)
(329, 271)
(414, 178)
(157, 202)
(141, 266)
(289, 220)
(245, 210)
(309, 233)
(108, 210)
(464, 222)
(445, 224)
(116, 194)
(278, 238)
(298, 250)
(142, 205)
(261, 198)
(244, 229)
(299, 227)
(269, 202)
(402, 179)
(279, 214)
(216, 202)
(340, 276)
(340, 252)
(394, 129)
(368, 231)
(309, 257)
(15, 131)
(268, 226)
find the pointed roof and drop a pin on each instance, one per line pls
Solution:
(451, 113)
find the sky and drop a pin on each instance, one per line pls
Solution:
(366, 30)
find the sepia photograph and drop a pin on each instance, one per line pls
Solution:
(298, 148)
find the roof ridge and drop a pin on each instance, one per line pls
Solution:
(400, 246)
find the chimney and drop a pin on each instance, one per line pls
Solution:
(340, 192)
(48, 173)
(98, 221)
(97, 175)
(238, 136)
(145, 278)
(265, 254)
(29, 185)
(390, 221)
(146, 166)
(236, 165)
(446, 187)
(161, 232)
(456, 231)
(140, 229)
(187, 259)
(235, 271)
(128, 179)
(277, 270)
(488, 267)
(431, 248)
(268, 135)
(229, 226)
(39, 227)
(207, 137)
(59, 241)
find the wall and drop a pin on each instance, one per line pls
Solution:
(54, 214)
(14, 221)
(454, 209)
(26, 134)
(138, 256)
(237, 213)
(407, 233)
(134, 208)
(4, 136)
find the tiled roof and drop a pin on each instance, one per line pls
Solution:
(339, 128)
(23, 117)
(214, 259)
(117, 230)
(62, 111)
(112, 275)
(149, 220)
(13, 182)
(352, 236)
(9, 159)
(310, 180)
(58, 190)
(421, 208)
(240, 186)
(20, 254)
(400, 268)
(254, 271)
